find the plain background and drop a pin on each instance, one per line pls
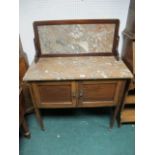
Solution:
(145, 77)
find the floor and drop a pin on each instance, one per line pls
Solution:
(77, 132)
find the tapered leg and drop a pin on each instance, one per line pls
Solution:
(119, 120)
(117, 110)
(114, 115)
(36, 109)
(25, 129)
(39, 118)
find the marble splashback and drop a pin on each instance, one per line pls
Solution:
(77, 68)
(76, 38)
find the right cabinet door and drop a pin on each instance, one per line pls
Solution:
(100, 93)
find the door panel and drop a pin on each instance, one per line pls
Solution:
(55, 94)
(99, 93)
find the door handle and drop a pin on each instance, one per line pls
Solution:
(81, 93)
(74, 95)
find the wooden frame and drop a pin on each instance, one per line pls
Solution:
(83, 21)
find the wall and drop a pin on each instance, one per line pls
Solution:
(32, 10)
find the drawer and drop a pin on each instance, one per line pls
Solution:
(100, 93)
(54, 94)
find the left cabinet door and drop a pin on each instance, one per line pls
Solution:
(54, 94)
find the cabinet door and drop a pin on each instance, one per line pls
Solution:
(100, 93)
(54, 94)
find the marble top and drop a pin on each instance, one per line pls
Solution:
(77, 68)
(76, 38)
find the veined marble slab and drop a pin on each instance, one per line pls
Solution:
(76, 38)
(76, 68)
